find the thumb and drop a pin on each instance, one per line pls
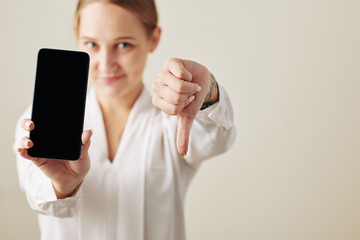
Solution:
(85, 139)
(183, 133)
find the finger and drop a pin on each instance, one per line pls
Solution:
(37, 161)
(176, 67)
(27, 124)
(171, 109)
(170, 95)
(24, 153)
(183, 133)
(178, 85)
(26, 143)
(166, 107)
(85, 139)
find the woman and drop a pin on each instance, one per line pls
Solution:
(142, 157)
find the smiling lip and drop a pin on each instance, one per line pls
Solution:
(113, 79)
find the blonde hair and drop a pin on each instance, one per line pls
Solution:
(144, 10)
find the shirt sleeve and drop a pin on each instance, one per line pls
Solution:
(213, 131)
(37, 186)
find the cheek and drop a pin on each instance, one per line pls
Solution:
(136, 62)
(82, 48)
(91, 66)
(93, 73)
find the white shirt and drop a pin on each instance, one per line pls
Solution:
(140, 194)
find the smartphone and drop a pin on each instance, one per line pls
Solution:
(59, 104)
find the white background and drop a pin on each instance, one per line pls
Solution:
(291, 68)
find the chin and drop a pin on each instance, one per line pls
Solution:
(112, 92)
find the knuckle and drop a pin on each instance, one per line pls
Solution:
(182, 72)
(161, 75)
(173, 110)
(181, 87)
(177, 98)
(171, 60)
(177, 85)
(168, 62)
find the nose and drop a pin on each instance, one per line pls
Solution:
(107, 61)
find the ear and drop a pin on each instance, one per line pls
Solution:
(154, 39)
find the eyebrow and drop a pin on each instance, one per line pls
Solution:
(116, 39)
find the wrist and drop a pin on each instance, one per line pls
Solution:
(212, 96)
(64, 192)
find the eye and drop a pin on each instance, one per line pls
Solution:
(124, 45)
(90, 44)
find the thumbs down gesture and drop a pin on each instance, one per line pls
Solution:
(183, 88)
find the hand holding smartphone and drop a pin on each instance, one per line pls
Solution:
(59, 104)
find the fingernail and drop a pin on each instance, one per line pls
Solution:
(27, 143)
(198, 88)
(27, 124)
(19, 149)
(183, 156)
(92, 131)
(191, 98)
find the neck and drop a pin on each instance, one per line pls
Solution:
(119, 104)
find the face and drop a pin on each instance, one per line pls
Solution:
(118, 47)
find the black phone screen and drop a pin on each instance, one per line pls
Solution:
(59, 104)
